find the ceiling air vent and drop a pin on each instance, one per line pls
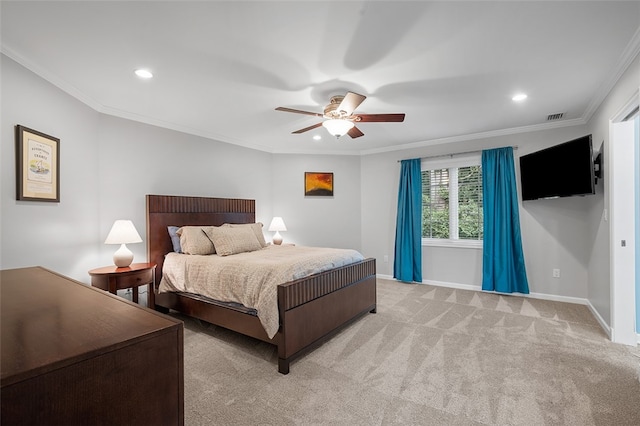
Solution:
(553, 117)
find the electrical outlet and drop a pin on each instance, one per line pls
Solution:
(386, 258)
(556, 273)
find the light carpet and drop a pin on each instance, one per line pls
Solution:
(430, 356)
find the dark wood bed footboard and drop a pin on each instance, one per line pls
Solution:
(311, 309)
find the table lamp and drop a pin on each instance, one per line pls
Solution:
(123, 232)
(277, 224)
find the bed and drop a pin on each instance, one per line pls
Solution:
(310, 309)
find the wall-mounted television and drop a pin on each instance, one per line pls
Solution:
(562, 170)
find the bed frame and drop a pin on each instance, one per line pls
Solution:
(311, 309)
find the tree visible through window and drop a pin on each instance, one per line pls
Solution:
(435, 203)
(452, 203)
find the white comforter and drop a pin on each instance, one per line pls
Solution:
(250, 278)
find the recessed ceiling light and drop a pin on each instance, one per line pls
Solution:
(143, 73)
(519, 97)
(317, 137)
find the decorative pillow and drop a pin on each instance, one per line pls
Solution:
(232, 240)
(175, 238)
(256, 227)
(194, 240)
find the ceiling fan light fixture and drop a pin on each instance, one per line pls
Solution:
(142, 73)
(338, 126)
(519, 97)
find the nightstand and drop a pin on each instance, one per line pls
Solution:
(112, 279)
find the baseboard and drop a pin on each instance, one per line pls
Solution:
(438, 283)
(542, 296)
(385, 277)
(601, 321)
(453, 285)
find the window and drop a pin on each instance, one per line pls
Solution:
(452, 202)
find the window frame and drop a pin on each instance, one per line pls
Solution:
(448, 162)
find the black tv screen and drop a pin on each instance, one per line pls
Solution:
(562, 170)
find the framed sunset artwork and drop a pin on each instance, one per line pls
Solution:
(318, 184)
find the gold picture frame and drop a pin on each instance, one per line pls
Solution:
(37, 166)
(318, 184)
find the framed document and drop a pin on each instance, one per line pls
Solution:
(37, 166)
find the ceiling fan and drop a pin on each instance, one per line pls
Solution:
(340, 116)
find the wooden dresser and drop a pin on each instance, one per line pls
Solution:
(75, 355)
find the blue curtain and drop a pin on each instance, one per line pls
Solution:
(407, 263)
(503, 267)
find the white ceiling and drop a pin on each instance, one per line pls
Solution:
(222, 67)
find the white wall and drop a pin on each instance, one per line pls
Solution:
(318, 221)
(137, 159)
(108, 164)
(554, 232)
(60, 236)
(569, 234)
(599, 262)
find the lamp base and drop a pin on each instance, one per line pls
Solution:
(123, 257)
(277, 238)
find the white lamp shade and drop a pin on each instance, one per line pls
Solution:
(123, 232)
(337, 126)
(277, 224)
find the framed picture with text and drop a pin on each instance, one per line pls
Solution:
(319, 184)
(37, 166)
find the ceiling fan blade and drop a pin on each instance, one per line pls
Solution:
(350, 102)
(380, 118)
(354, 132)
(306, 129)
(298, 111)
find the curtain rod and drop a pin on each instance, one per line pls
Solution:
(515, 148)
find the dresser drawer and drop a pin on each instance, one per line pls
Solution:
(101, 368)
(135, 279)
(122, 278)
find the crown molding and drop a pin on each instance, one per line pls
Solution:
(481, 135)
(629, 54)
(51, 78)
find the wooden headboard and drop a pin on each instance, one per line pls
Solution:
(171, 210)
